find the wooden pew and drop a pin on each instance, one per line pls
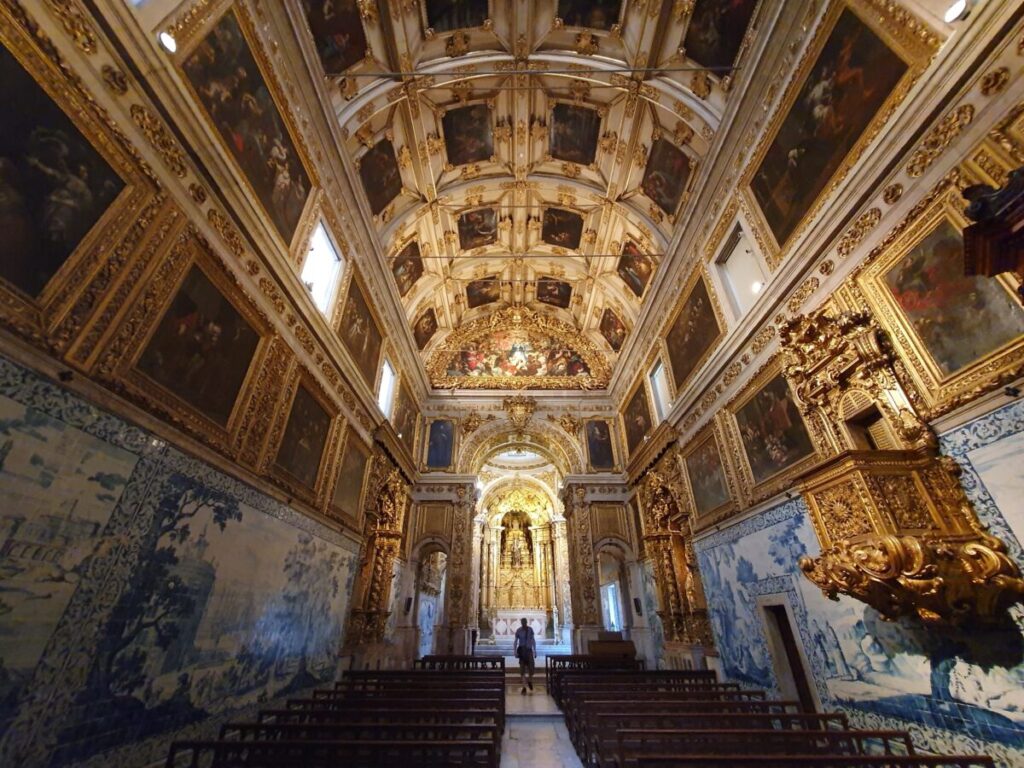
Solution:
(439, 714)
(811, 761)
(438, 662)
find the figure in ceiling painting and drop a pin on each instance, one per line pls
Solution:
(668, 170)
(574, 133)
(508, 353)
(598, 14)
(382, 180)
(425, 328)
(53, 185)
(337, 33)
(480, 292)
(694, 331)
(478, 228)
(613, 329)
(562, 228)
(468, 137)
(407, 268)
(557, 293)
(716, 30)
(846, 87)
(231, 88)
(448, 15)
(635, 268)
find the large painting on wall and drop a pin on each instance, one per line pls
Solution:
(440, 444)
(232, 90)
(557, 293)
(449, 15)
(511, 353)
(337, 28)
(636, 419)
(360, 334)
(487, 290)
(707, 476)
(635, 268)
(54, 186)
(407, 268)
(599, 444)
(574, 133)
(846, 87)
(562, 228)
(693, 333)
(404, 417)
(348, 488)
(716, 30)
(424, 328)
(202, 348)
(478, 228)
(598, 14)
(305, 437)
(666, 175)
(613, 329)
(468, 136)
(773, 433)
(382, 180)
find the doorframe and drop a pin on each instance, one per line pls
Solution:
(777, 649)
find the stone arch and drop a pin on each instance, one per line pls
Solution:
(548, 439)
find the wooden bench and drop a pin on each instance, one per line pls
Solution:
(810, 761)
(472, 663)
(439, 714)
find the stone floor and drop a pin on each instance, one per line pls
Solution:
(535, 733)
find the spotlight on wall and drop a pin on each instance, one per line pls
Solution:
(168, 42)
(957, 11)
(756, 287)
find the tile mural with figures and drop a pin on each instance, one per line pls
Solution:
(225, 597)
(956, 691)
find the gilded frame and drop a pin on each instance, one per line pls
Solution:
(701, 520)
(191, 37)
(348, 438)
(602, 114)
(698, 273)
(616, 449)
(490, 103)
(907, 37)
(750, 491)
(430, 34)
(54, 317)
(739, 61)
(456, 440)
(940, 393)
(413, 444)
(641, 381)
(353, 274)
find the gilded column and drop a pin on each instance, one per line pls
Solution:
(586, 607)
(562, 576)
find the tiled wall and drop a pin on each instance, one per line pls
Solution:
(143, 594)
(960, 694)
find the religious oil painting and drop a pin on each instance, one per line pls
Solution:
(403, 418)
(478, 228)
(202, 348)
(707, 476)
(574, 133)
(514, 353)
(597, 14)
(692, 334)
(666, 174)
(348, 489)
(424, 328)
(338, 34)
(468, 137)
(487, 290)
(562, 228)
(599, 444)
(449, 15)
(407, 268)
(715, 32)
(359, 332)
(54, 186)
(635, 268)
(846, 87)
(232, 90)
(440, 444)
(382, 180)
(772, 431)
(613, 329)
(305, 437)
(557, 293)
(958, 319)
(636, 419)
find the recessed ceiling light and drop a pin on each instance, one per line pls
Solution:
(757, 286)
(167, 41)
(956, 11)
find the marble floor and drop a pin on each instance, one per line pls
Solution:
(535, 733)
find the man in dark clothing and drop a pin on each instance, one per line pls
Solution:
(525, 650)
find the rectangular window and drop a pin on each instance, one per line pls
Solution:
(322, 269)
(741, 271)
(386, 393)
(659, 386)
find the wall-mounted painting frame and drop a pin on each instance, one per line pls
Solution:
(354, 281)
(352, 453)
(430, 32)
(692, 303)
(555, 141)
(712, 498)
(594, 436)
(570, 22)
(637, 405)
(440, 445)
(405, 416)
(958, 336)
(450, 130)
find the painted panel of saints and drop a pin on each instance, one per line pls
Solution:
(613, 329)
(382, 180)
(349, 488)
(424, 328)
(773, 433)
(54, 186)
(666, 175)
(468, 136)
(338, 34)
(305, 436)
(599, 444)
(707, 477)
(449, 15)
(635, 268)
(846, 87)
(484, 291)
(557, 293)
(403, 419)
(478, 228)
(958, 319)
(574, 133)
(360, 334)
(716, 30)
(233, 92)
(562, 228)
(692, 334)
(440, 444)
(407, 268)
(506, 353)
(202, 348)
(597, 14)
(636, 419)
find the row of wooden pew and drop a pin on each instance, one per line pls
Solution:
(446, 712)
(630, 718)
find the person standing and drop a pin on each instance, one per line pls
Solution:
(525, 650)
